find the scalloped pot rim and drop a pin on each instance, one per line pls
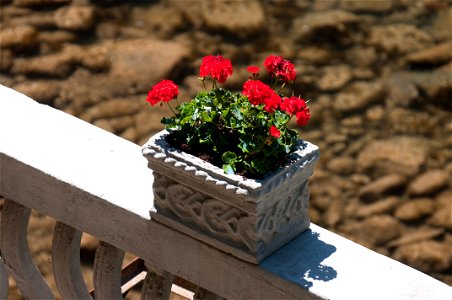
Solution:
(160, 149)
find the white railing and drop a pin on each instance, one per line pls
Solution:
(92, 181)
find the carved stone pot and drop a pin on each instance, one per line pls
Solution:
(247, 218)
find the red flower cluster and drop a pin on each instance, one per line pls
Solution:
(272, 103)
(296, 106)
(164, 91)
(260, 93)
(280, 68)
(217, 67)
(254, 70)
(257, 91)
(274, 132)
(303, 117)
(292, 105)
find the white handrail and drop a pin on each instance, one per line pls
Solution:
(99, 183)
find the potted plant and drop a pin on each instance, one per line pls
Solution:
(228, 170)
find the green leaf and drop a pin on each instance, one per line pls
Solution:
(281, 118)
(167, 121)
(245, 146)
(229, 157)
(259, 165)
(233, 123)
(228, 169)
(237, 113)
(205, 117)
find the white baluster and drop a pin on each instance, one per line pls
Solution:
(3, 281)
(16, 254)
(66, 262)
(156, 286)
(107, 272)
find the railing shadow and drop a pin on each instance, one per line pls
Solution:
(301, 260)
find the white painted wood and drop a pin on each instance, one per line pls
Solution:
(50, 160)
(15, 252)
(28, 130)
(182, 292)
(107, 271)
(3, 281)
(66, 262)
(133, 282)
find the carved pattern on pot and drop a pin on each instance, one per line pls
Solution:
(226, 221)
(291, 208)
(217, 217)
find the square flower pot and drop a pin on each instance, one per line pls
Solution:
(247, 218)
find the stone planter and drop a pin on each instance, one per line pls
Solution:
(247, 218)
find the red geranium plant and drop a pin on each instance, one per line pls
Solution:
(245, 133)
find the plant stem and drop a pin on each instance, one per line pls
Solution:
(282, 86)
(276, 83)
(171, 108)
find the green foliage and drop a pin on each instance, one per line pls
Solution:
(230, 132)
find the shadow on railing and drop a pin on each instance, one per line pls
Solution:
(307, 270)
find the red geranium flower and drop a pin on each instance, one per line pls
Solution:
(303, 116)
(165, 91)
(217, 67)
(272, 103)
(292, 105)
(257, 91)
(274, 132)
(254, 70)
(287, 71)
(271, 64)
(280, 68)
